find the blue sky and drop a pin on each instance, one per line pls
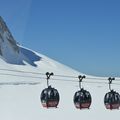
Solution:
(83, 34)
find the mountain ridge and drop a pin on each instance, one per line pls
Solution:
(15, 54)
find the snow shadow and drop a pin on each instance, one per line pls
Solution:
(29, 56)
(25, 56)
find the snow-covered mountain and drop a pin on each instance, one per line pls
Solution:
(8, 46)
(20, 88)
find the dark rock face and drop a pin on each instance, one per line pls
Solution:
(6, 38)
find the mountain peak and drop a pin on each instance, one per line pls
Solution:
(8, 46)
(11, 52)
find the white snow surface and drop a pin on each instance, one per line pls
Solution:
(20, 100)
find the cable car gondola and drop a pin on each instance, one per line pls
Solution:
(112, 98)
(49, 96)
(82, 98)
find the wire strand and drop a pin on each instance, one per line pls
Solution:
(61, 77)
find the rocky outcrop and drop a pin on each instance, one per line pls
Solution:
(6, 39)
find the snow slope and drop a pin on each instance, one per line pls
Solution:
(20, 90)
